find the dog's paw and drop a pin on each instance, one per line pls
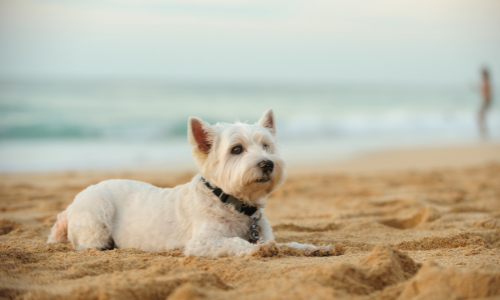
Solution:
(325, 250)
(264, 250)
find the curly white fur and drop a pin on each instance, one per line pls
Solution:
(190, 217)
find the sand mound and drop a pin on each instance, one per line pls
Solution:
(383, 267)
(435, 282)
(402, 235)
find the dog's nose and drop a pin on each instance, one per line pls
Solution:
(267, 166)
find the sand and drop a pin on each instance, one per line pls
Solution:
(407, 233)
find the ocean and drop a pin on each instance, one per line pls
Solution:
(71, 126)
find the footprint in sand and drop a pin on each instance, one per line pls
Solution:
(427, 215)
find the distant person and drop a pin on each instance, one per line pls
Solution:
(485, 102)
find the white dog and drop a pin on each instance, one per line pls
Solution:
(218, 213)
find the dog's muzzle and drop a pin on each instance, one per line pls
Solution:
(267, 167)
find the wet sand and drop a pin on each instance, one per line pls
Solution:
(421, 231)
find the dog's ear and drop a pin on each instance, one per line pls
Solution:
(268, 121)
(200, 134)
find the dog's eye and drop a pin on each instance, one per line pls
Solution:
(237, 150)
(265, 147)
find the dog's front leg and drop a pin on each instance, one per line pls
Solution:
(311, 250)
(266, 232)
(307, 249)
(224, 246)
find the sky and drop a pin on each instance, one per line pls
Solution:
(361, 41)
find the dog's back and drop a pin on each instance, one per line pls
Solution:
(93, 217)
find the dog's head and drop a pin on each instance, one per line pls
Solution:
(241, 159)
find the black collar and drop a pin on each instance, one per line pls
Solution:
(239, 205)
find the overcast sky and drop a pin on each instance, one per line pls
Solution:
(366, 41)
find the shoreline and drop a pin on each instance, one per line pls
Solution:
(402, 159)
(409, 159)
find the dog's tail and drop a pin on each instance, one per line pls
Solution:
(59, 232)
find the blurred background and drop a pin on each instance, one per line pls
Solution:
(111, 83)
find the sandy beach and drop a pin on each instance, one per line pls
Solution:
(407, 224)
